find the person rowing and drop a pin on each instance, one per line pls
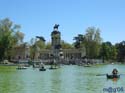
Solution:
(113, 75)
(115, 71)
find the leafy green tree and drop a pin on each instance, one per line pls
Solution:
(48, 45)
(41, 42)
(114, 53)
(78, 41)
(19, 36)
(108, 51)
(7, 37)
(33, 48)
(36, 45)
(105, 51)
(121, 51)
(92, 41)
(66, 45)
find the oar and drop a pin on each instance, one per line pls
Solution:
(106, 74)
(101, 74)
(121, 74)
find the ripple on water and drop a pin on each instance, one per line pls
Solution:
(67, 79)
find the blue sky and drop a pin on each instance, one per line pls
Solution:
(37, 17)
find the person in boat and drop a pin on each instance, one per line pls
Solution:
(42, 67)
(115, 71)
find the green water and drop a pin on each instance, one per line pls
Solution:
(67, 79)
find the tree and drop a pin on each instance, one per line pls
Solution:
(78, 41)
(48, 45)
(121, 51)
(19, 36)
(41, 42)
(114, 53)
(92, 42)
(33, 48)
(108, 51)
(7, 37)
(66, 45)
(105, 51)
(36, 45)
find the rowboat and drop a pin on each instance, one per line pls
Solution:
(112, 76)
(42, 69)
(19, 68)
(87, 66)
(52, 68)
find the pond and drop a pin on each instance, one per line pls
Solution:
(67, 79)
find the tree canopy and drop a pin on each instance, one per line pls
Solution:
(91, 41)
(120, 51)
(9, 36)
(65, 45)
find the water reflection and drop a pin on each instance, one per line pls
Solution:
(55, 81)
(67, 79)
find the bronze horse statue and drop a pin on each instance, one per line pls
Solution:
(56, 26)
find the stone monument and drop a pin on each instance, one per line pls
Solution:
(56, 41)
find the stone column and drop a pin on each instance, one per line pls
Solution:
(56, 41)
